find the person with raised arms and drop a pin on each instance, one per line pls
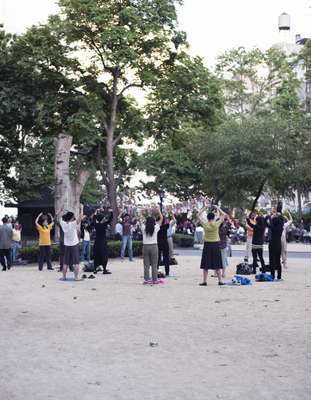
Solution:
(150, 228)
(101, 220)
(69, 225)
(44, 225)
(211, 256)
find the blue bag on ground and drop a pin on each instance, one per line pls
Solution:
(242, 280)
(263, 278)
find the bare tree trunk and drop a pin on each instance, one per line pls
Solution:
(299, 195)
(110, 145)
(111, 187)
(258, 194)
(63, 145)
(67, 191)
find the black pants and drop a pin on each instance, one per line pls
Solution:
(100, 255)
(45, 255)
(165, 252)
(259, 253)
(275, 259)
(5, 258)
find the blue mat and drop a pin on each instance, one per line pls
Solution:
(70, 280)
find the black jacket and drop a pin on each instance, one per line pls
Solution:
(258, 232)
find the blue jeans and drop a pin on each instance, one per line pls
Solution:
(15, 250)
(127, 243)
(86, 251)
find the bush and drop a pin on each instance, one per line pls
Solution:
(30, 253)
(114, 248)
(183, 240)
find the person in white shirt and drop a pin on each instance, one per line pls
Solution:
(119, 230)
(199, 234)
(16, 241)
(86, 240)
(286, 226)
(150, 231)
(71, 241)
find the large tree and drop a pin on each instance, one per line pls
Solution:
(120, 45)
(18, 97)
(41, 99)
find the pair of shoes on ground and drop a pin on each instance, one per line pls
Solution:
(106, 272)
(84, 276)
(151, 282)
(205, 284)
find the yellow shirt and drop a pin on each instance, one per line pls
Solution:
(44, 235)
(211, 231)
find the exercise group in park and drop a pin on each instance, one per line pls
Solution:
(212, 226)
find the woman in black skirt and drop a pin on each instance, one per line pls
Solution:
(100, 223)
(211, 256)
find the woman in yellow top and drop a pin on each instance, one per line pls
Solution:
(44, 228)
(211, 256)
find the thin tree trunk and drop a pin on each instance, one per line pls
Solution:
(258, 194)
(299, 195)
(110, 130)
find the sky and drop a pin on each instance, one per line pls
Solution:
(212, 26)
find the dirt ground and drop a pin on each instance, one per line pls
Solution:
(112, 338)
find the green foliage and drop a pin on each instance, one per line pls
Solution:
(174, 170)
(124, 35)
(237, 157)
(185, 99)
(304, 57)
(39, 98)
(185, 93)
(253, 77)
(127, 45)
(223, 135)
(262, 143)
(30, 253)
(114, 248)
(183, 240)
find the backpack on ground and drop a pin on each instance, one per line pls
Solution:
(263, 278)
(244, 269)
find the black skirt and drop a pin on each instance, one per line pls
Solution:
(211, 256)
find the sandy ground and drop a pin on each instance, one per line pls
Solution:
(91, 340)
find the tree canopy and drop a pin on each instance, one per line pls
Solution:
(114, 73)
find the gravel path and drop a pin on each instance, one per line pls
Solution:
(113, 339)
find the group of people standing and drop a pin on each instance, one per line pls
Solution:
(216, 231)
(10, 242)
(70, 230)
(157, 237)
(277, 225)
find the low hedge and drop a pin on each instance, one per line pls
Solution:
(183, 240)
(30, 253)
